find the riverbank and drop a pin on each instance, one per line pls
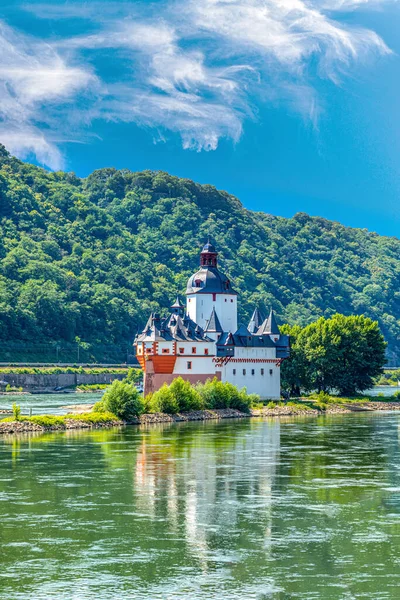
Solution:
(80, 420)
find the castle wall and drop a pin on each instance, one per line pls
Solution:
(266, 385)
(200, 365)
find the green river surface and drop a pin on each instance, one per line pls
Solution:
(238, 509)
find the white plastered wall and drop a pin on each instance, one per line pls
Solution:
(267, 385)
(200, 306)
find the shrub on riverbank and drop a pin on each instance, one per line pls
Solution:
(181, 396)
(121, 399)
(163, 401)
(216, 394)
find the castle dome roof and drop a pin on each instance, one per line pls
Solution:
(209, 280)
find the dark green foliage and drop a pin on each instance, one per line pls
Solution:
(216, 394)
(164, 401)
(342, 354)
(122, 400)
(88, 259)
(186, 395)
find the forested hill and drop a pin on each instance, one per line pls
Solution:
(90, 258)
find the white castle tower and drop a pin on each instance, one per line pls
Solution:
(208, 291)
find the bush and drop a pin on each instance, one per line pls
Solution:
(147, 403)
(186, 396)
(216, 394)
(122, 400)
(164, 401)
(16, 412)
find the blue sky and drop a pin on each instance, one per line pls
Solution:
(291, 105)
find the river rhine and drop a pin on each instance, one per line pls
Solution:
(235, 510)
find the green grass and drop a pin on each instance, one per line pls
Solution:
(60, 421)
(93, 417)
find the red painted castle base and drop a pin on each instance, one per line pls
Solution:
(153, 381)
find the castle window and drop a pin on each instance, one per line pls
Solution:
(231, 299)
(244, 371)
(181, 350)
(234, 371)
(262, 371)
(165, 350)
(226, 300)
(205, 350)
(189, 364)
(194, 350)
(270, 371)
(214, 297)
(252, 371)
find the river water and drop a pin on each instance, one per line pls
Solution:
(51, 404)
(252, 509)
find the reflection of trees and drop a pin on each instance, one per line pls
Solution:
(293, 502)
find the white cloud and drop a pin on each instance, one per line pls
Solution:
(197, 68)
(35, 83)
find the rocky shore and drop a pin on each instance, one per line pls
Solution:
(22, 426)
(27, 426)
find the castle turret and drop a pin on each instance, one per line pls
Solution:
(255, 321)
(209, 289)
(270, 327)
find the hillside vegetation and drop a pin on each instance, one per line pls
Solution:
(90, 258)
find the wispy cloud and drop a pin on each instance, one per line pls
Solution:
(36, 87)
(197, 68)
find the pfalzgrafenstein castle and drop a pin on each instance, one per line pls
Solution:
(205, 341)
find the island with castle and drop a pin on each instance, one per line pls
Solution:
(205, 341)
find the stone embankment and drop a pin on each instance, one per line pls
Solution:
(27, 426)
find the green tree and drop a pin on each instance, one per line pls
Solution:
(122, 400)
(296, 372)
(134, 376)
(344, 353)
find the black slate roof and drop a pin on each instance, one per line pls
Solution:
(170, 328)
(269, 326)
(256, 321)
(209, 280)
(213, 323)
